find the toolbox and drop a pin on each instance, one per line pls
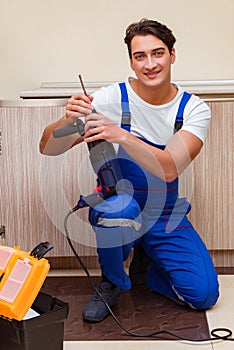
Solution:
(22, 275)
(29, 318)
(43, 332)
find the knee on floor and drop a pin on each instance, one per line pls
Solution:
(200, 296)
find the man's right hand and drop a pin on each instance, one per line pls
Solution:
(78, 106)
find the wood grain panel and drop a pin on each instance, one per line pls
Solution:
(37, 191)
(32, 184)
(223, 258)
(213, 190)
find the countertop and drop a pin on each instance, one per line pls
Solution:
(222, 88)
(57, 93)
(34, 102)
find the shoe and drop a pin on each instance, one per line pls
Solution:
(95, 310)
(138, 268)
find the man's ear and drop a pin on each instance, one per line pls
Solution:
(173, 56)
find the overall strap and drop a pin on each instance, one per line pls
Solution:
(126, 114)
(180, 114)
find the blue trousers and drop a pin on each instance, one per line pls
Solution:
(181, 267)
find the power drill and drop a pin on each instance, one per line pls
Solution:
(104, 161)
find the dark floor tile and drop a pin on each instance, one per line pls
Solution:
(140, 310)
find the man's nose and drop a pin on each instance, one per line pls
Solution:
(151, 62)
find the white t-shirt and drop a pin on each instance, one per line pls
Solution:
(153, 123)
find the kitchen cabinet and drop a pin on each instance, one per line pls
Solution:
(37, 191)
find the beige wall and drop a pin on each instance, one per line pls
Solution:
(55, 40)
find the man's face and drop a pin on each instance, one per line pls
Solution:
(151, 60)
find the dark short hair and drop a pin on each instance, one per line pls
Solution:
(149, 27)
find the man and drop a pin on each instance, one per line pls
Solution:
(159, 129)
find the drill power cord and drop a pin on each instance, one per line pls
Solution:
(217, 333)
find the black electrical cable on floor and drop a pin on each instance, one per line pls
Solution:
(215, 332)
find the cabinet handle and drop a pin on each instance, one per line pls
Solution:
(2, 231)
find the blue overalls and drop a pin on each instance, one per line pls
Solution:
(181, 267)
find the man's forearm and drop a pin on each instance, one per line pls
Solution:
(54, 146)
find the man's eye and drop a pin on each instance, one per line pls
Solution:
(158, 53)
(139, 57)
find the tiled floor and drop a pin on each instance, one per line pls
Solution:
(222, 315)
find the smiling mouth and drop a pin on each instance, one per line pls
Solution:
(152, 75)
